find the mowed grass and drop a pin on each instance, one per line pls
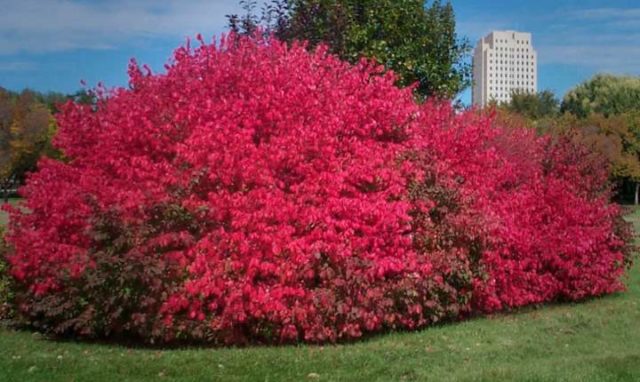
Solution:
(3, 215)
(596, 340)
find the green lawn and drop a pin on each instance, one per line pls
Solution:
(3, 215)
(598, 340)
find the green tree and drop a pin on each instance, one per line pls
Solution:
(6, 118)
(613, 104)
(604, 94)
(26, 129)
(616, 138)
(416, 40)
(534, 106)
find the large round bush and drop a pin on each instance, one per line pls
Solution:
(258, 192)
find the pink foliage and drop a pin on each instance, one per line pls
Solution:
(258, 192)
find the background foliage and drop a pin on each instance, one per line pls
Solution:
(416, 40)
(602, 113)
(26, 128)
(604, 94)
(534, 106)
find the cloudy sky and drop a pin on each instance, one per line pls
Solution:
(54, 44)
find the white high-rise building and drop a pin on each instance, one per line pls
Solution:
(503, 62)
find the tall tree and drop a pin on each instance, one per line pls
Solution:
(26, 129)
(616, 138)
(534, 105)
(6, 118)
(605, 94)
(416, 40)
(614, 101)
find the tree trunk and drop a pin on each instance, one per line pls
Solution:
(635, 200)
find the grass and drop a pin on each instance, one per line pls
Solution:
(598, 340)
(3, 215)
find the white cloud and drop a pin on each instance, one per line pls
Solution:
(17, 66)
(602, 39)
(617, 19)
(599, 38)
(621, 59)
(59, 25)
(606, 13)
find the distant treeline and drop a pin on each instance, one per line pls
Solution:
(26, 129)
(602, 113)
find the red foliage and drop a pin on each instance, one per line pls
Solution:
(539, 210)
(260, 192)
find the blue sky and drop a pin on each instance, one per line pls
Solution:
(51, 45)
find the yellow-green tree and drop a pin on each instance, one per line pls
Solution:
(604, 94)
(616, 138)
(26, 129)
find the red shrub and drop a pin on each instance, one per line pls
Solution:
(540, 210)
(259, 192)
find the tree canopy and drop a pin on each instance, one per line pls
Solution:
(26, 128)
(602, 114)
(534, 105)
(605, 94)
(416, 40)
